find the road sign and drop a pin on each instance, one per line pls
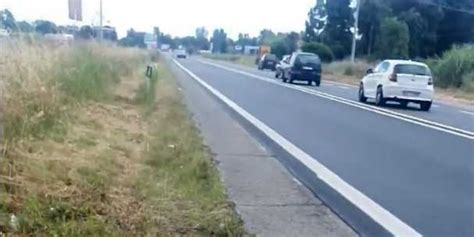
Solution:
(75, 10)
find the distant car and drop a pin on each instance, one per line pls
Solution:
(402, 81)
(278, 68)
(180, 53)
(301, 67)
(268, 61)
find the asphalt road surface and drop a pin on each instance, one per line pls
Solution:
(411, 172)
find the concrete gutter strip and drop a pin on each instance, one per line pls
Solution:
(270, 201)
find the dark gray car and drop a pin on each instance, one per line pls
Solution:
(301, 67)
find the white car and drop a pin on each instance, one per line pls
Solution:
(402, 81)
(180, 53)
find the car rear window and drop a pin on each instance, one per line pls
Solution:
(271, 57)
(412, 69)
(308, 59)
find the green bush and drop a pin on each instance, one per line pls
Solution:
(280, 48)
(455, 68)
(468, 82)
(322, 50)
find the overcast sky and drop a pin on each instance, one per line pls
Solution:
(177, 17)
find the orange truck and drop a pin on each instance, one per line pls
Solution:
(264, 49)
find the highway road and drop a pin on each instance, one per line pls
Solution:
(408, 172)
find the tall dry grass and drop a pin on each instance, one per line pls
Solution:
(42, 87)
(40, 81)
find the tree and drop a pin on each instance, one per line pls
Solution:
(337, 34)
(202, 43)
(45, 27)
(457, 26)
(201, 32)
(322, 50)
(167, 39)
(25, 27)
(266, 36)
(219, 41)
(372, 13)
(133, 39)
(85, 32)
(244, 39)
(291, 40)
(7, 20)
(280, 48)
(394, 39)
(110, 33)
(317, 17)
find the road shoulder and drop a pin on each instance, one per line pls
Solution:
(270, 201)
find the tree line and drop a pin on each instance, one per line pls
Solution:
(392, 28)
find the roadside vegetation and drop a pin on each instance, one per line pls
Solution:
(91, 148)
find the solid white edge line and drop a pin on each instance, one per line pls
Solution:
(466, 112)
(408, 118)
(386, 219)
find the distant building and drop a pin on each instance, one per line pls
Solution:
(251, 50)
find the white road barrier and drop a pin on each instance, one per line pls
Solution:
(380, 215)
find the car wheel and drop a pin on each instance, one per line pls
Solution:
(277, 74)
(425, 106)
(310, 82)
(290, 79)
(362, 97)
(379, 100)
(318, 83)
(404, 104)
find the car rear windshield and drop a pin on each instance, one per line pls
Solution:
(270, 57)
(412, 69)
(308, 59)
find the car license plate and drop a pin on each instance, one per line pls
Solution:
(411, 93)
(307, 68)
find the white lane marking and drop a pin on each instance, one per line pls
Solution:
(386, 219)
(344, 87)
(466, 112)
(404, 117)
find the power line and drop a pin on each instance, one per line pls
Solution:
(428, 2)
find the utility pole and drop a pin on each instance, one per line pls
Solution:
(101, 33)
(356, 30)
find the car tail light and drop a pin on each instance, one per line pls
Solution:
(393, 77)
(430, 81)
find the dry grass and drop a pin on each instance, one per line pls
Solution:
(347, 69)
(91, 157)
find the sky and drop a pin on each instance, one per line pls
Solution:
(175, 17)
